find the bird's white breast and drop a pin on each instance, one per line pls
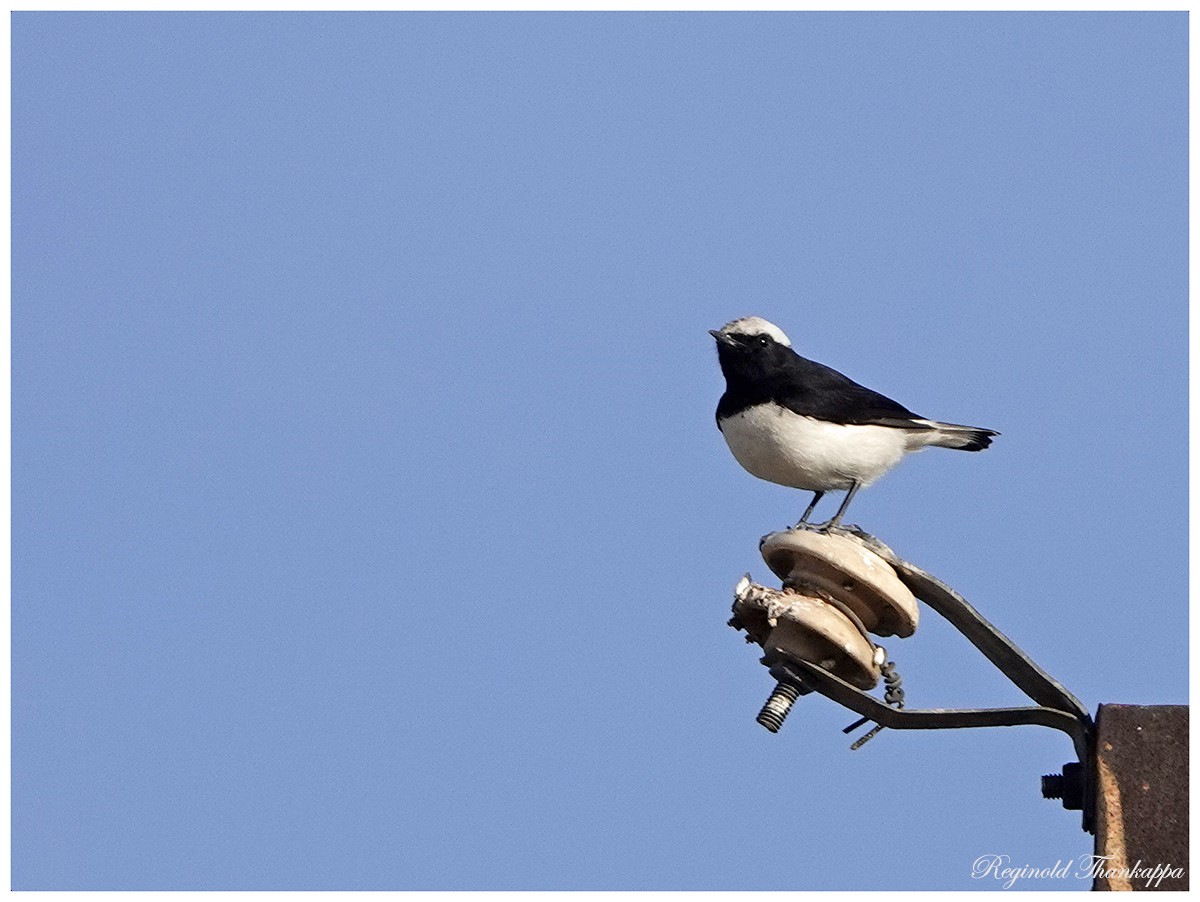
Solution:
(779, 446)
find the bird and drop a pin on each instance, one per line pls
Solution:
(799, 423)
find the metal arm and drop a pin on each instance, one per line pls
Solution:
(1056, 707)
(994, 645)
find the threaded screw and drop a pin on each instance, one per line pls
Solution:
(1068, 786)
(778, 705)
(1053, 786)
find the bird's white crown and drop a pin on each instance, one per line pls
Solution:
(756, 325)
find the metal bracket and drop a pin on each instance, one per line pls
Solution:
(1056, 707)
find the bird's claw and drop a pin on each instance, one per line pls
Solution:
(829, 526)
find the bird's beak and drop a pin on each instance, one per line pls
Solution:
(720, 336)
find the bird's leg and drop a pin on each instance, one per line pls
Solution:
(816, 497)
(837, 518)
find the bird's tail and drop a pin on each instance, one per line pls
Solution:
(964, 438)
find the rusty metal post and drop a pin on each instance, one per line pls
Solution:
(1141, 774)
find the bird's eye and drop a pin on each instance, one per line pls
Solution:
(763, 340)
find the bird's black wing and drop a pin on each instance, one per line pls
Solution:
(815, 390)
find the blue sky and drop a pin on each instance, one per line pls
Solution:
(371, 529)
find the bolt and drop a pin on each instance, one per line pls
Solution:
(778, 705)
(1067, 786)
(1053, 786)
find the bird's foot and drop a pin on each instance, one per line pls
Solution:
(812, 527)
(829, 526)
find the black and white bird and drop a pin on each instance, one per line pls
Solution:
(799, 423)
